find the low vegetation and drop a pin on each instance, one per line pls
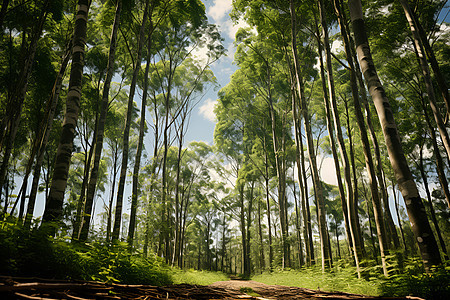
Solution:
(24, 253)
(38, 255)
(192, 276)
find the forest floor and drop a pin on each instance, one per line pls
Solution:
(37, 288)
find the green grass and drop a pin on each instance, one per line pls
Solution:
(197, 277)
(342, 280)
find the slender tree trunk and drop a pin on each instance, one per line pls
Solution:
(249, 223)
(126, 135)
(81, 213)
(45, 137)
(442, 84)
(245, 254)
(269, 223)
(137, 162)
(430, 202)
(420, 52)
(378, 211)
(299, 153)
(353, 208)
(392, 234)
(178, 211)
(305, 204)
(262, 260)
(416, 211)
(356, 245)
(100, 128)
(439, 162)
(326, 259)
(54, 205)
(399, 219)
(281, 183)
(369, 218)
(298, 229)
(332, 97)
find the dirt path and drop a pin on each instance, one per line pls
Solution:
(48, 289)
(257, 290)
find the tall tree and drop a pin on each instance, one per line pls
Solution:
(101, 125)
(416, 211)
(54, 205)
(128, 120)
(318, 190)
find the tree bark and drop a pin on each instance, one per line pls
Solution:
(416, 211)
(45, 136)
(420, 52)
(137, 162)
(430, 202)
(54, 205)
(327, 99)
(126, 134)
(442, 84)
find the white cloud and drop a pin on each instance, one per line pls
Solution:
(231, 27)
(328, 171)
(337, 46)
(207, 110)
(220, 9)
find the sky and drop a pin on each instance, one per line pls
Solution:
(202, 122)
(201, 127)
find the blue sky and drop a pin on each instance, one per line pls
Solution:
(201, 127)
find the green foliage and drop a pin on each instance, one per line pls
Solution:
(342, 278)
(414, 282)
(34, 254)
(197, 277)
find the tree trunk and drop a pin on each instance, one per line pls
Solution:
(137, 162)
(100, 129)
(399, 219)
(430, 202)
(126, 134)
(262, 260)
(416, 211)
(45, 136)
(433, 62)
(440, 166)
(420, 52)
(269, 223)
(298, 229)
(327, 100)
(299, 159)
(352, 195)
(353, 208)
(326, 260)
(81, 213)
(54, 205)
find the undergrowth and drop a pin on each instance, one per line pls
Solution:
(340, 279)
(410, 281)
(197, 277)
(34, 254)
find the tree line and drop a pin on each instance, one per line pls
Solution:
(253, 201)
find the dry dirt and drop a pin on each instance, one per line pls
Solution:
(38, 288)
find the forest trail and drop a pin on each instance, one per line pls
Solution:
(258, 290)
(48, 289)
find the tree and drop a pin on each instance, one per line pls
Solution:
(419, 221)
(53, 207)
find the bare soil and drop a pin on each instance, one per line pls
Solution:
(38, 288)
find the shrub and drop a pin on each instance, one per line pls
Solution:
(24, 253)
